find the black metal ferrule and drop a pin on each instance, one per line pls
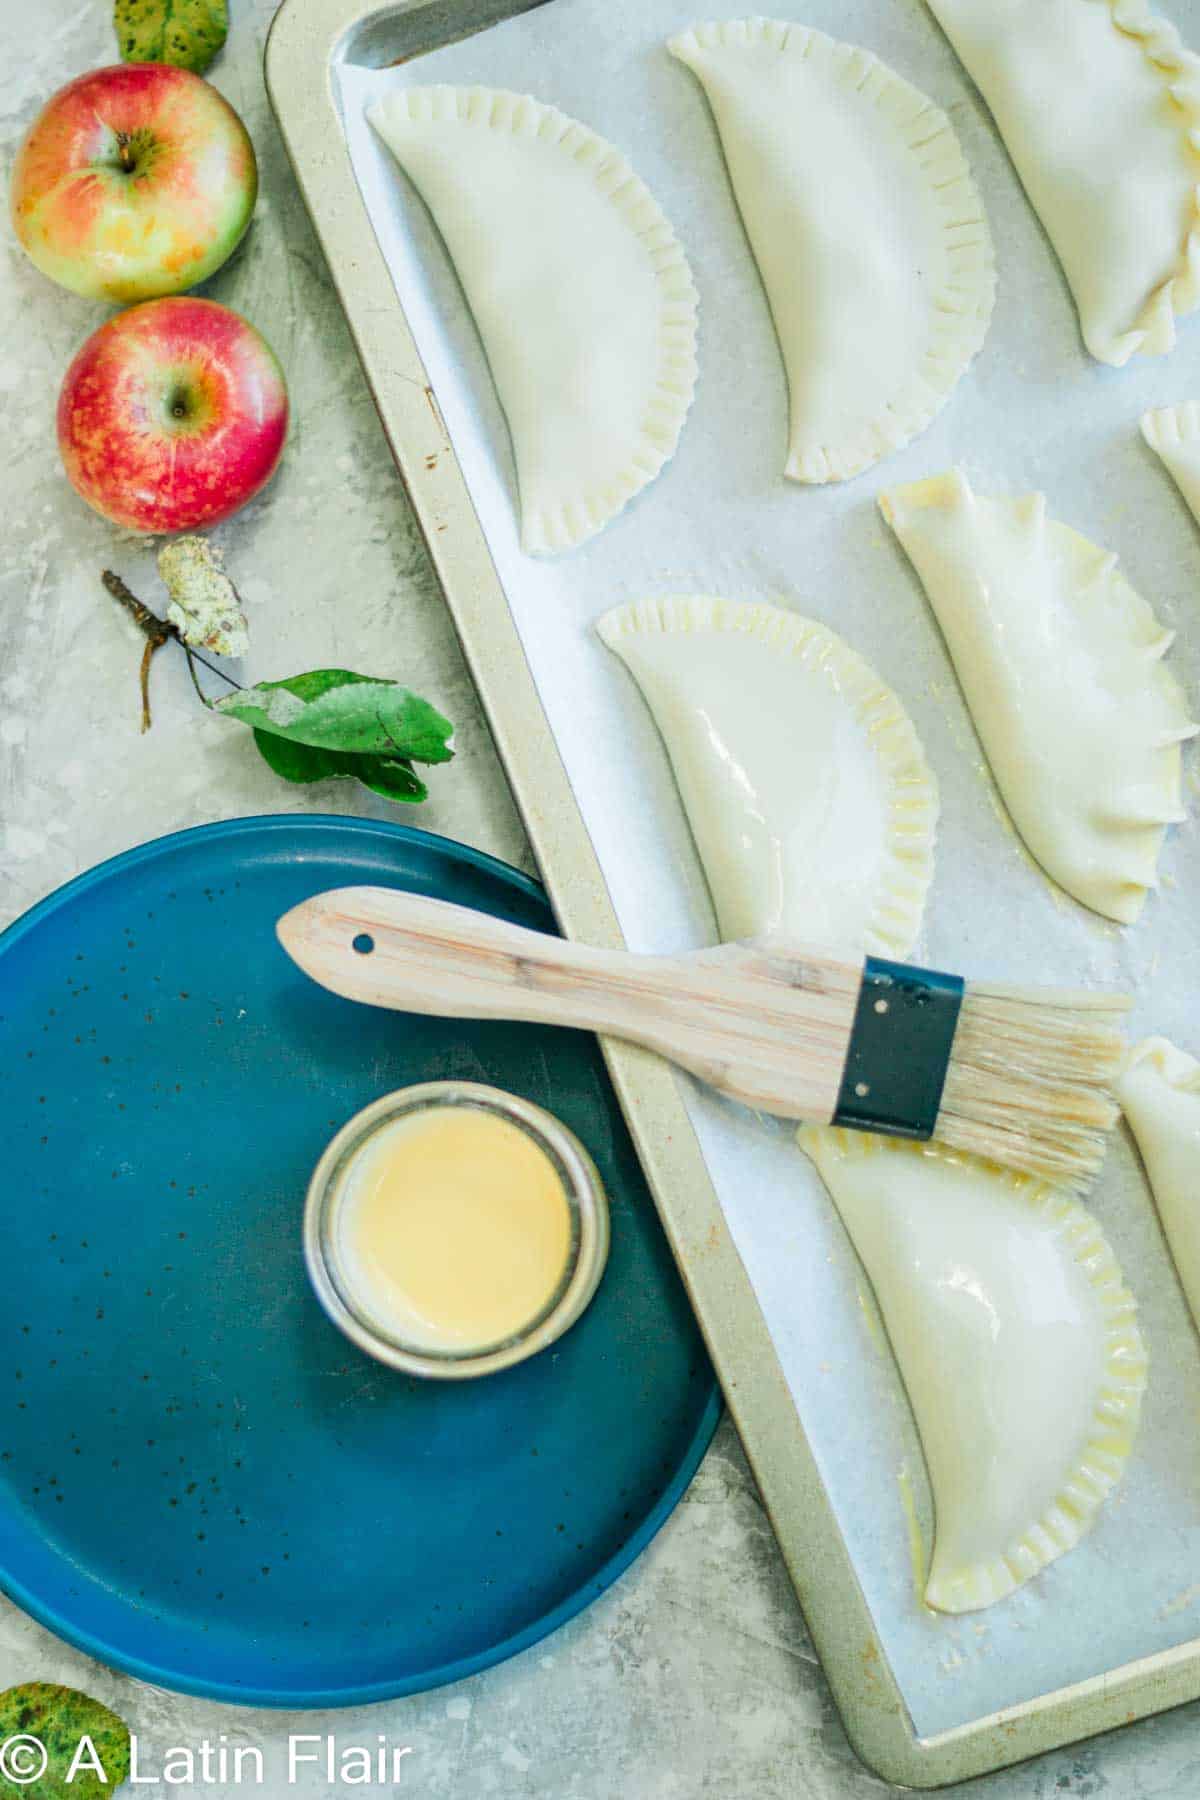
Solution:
(900, 1047)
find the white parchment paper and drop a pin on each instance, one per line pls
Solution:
(1034, 412)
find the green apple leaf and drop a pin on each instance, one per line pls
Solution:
(335, 709)
(322, 725)
(85, 1747)
(331, 723)
(204, 605)
(187, 33)
(392, 777)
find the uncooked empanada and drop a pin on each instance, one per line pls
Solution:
(805, 785)
(1173, 433)
(1098, 102)
(1160, 1094)
(1016, 1341)
(867, 229)
(581, 292)
(1060, 663)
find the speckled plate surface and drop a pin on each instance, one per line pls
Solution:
(201, 1481)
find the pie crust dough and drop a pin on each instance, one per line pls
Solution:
(1160, 1092)
(1098, 103)
(867, 229)
(1017, 1343)
(805, 785)
(1173, 433)
(1060, 663)
(579, 288)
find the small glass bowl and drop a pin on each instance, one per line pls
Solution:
(588, 1253)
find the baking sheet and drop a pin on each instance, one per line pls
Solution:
(1034, 412)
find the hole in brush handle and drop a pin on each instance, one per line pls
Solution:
(900, 1046)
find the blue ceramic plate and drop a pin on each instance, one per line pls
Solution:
(201, 1480)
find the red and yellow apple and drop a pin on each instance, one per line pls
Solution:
(133, 181)
(172, 415)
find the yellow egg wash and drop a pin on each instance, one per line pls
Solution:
(455, 1228)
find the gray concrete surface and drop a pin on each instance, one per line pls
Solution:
(694, 1677)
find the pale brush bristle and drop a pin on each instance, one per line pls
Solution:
(1030, 1081)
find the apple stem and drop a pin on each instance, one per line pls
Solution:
(124, 150)
(152, 645)
(158, 632)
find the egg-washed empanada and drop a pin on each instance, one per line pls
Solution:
(580, 290)
(1098, 103)
(867, 229)
(805, 785)
(1017, 1343)
(1160, 1094)
(1173, 433)
(1060, 662)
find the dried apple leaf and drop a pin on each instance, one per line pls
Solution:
(335, 709)
(40, 1719)
(187, 33)
(204, 605)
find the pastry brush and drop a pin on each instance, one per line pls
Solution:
(1021, 1076)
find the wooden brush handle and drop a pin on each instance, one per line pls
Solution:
(766, 1026)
